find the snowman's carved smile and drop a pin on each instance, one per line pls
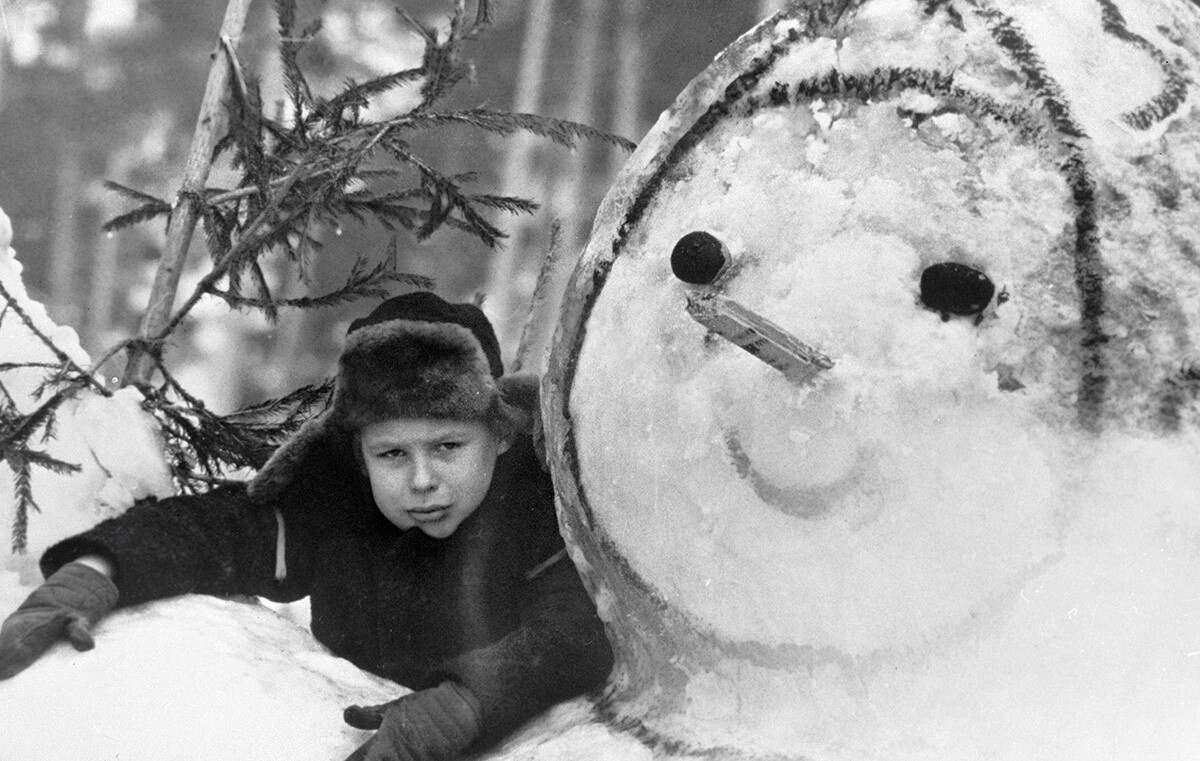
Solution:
(808, 502)
(801, 364)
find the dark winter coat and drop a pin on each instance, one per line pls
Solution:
(497, 606)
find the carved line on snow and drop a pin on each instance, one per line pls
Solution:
(607, 713)
(1089, 280)
(1175, 87)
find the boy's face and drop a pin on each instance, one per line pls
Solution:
(428, 473)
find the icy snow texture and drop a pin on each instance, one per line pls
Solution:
(925, 554)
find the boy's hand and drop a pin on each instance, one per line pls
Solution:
(437, 724)
(68, 604)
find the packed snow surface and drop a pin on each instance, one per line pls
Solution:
(195, 678)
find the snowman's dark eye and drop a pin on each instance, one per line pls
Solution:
(699, 258)
(953, 288)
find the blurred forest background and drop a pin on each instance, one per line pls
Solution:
(95, 90)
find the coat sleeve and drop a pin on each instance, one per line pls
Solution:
(217, 543)
(559, 649)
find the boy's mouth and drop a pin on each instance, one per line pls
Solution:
(429, 514)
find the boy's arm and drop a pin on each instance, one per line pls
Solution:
(216, 543)
(559, 651)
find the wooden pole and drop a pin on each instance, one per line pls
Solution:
(182, 223)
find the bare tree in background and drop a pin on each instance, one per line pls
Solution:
(567, 198)
(631, 75)
(64, 232)
(518, 176)
(568, 183)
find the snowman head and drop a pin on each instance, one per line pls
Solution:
(878, 358)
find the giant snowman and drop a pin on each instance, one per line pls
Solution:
(873, 404)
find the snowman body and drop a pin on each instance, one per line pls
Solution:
(904, 463)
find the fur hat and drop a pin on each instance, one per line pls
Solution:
(415, 355)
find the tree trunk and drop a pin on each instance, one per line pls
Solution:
(631, 74)
(102, 291)
(64, 238)
(569, 202)
(517, 178)
(209, 126)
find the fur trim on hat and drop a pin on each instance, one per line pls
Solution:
(410, 368)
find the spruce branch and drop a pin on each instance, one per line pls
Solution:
(135, 195)
(364, 281)
(561, 131)
(61, 355)
(141, 214)
(16, 429)
(9, 366)
(203, 445)
(52, 464)
(358, 96)
(23, 489)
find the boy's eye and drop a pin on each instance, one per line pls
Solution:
(391, 454)
(450, 446)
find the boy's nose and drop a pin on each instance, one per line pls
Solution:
(423, 477)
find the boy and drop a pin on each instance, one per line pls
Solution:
(415, 515)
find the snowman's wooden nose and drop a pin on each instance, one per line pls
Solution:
(756, 334)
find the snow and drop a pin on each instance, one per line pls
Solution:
(196, 678)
